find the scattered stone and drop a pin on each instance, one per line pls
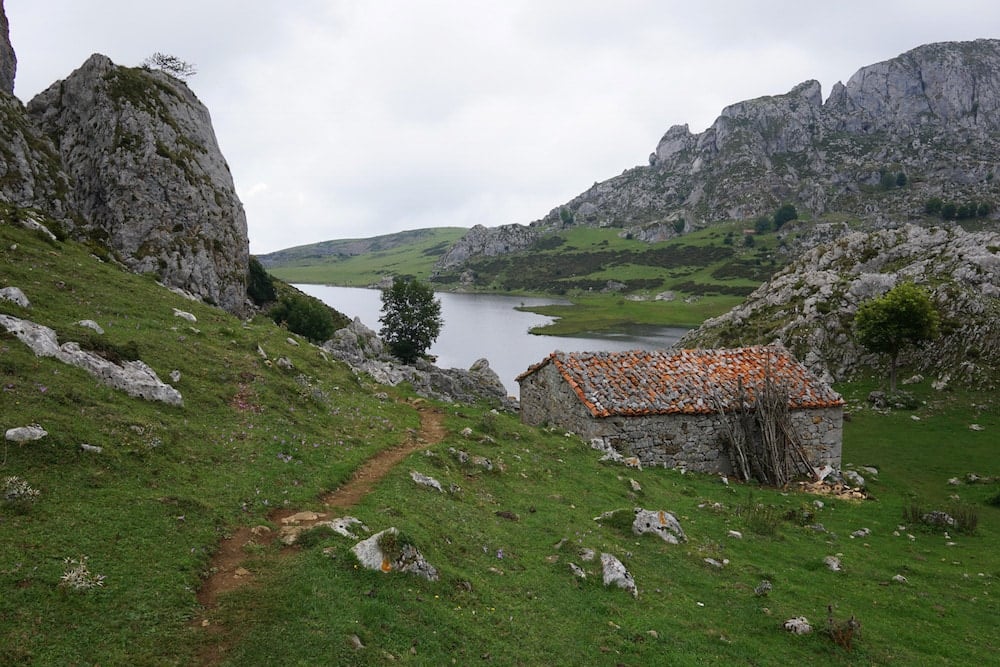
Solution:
(869, 470)
(853, 478)
(660, 523)
(424, 480)
(133, 377)
(175, 376)
(260, 531)
(798, 625)
(763, 588)
(615, 573)
(300, 517)
(587, 555)
(355, 642)
(241, 572)
(915, 418)
(92, 449)
(954, 481)
(344, 525)
(900, 579)
(577, 572)
(291, 341)
(408, 559)
(261, 352)
(26, 433)
(636, 488)
(15, 295)
(976, 427)
(507, 514)
(91, 324)
(185, 315)
(735, 534)
(832, 563)
(915, 379)
(466, 432)
(862, 532)
(938, 518)
(284, 363)
(714, 563)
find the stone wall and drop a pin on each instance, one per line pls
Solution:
(694, 442)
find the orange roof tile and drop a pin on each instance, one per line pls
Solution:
(642, 382)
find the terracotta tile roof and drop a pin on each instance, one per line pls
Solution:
(642, 382)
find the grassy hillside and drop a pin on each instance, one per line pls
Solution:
(150, 510)
(362, 262)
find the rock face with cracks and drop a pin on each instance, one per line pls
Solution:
(147, 176)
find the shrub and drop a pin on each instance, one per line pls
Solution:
(260, 285)
(18, 494)
(78, 577)
(305, 316)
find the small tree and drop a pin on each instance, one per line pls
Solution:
(785, 213)
(411, 318)
(304, 315)
(905, 315)
(172, 65)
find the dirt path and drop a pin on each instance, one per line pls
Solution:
(227, 570)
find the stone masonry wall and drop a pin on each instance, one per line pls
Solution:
(694, 442)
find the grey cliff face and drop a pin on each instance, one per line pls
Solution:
(932, 113)
(149, 178)
(8, 60)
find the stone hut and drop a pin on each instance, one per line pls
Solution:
(666, 407)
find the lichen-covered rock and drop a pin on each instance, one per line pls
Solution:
(15, 295)
(133, 377)
(615, 573)
(403, 557)
(425, 480)
(148, 176)
(658, 522)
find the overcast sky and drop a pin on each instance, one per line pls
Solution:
(353, 118)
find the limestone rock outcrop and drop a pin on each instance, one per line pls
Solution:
(8, 59)
(149, 180)
(362, 349)
(809, 306)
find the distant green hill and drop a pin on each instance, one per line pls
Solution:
(362, 262)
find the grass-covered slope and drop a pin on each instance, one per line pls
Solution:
(363, 262)
(149, 511)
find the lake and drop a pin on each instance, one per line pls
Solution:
(486, 325)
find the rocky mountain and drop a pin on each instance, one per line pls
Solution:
(809, 306)
(127, 158)
(149, 178)
(922, 125)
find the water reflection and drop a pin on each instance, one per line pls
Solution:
(486, 325)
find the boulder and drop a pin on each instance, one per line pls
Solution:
(402, 557)
(660, 523)
(614, 572)
(15, 295)
(91, 324)
(25, 433)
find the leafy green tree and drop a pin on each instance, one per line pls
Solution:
(905, 315)
(785, 213)
(411, 318)
(566, 216)
(949, 211)
(763, 224)
(933, 206)
(901, 180)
